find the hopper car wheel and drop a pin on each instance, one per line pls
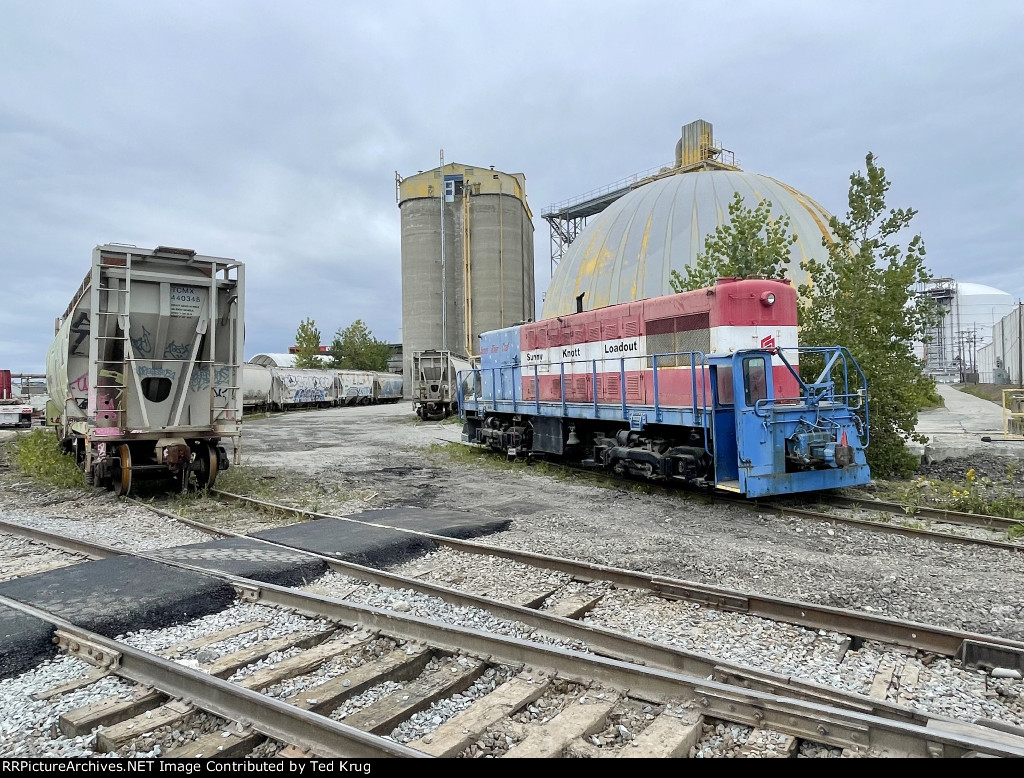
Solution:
(122, 475)
(206, 466)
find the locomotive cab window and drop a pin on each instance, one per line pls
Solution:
(723, 379)
(755, 384)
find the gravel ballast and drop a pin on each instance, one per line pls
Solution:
(376, 457)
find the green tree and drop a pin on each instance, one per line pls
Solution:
(751, 243)
(863, 298)
(355, 348)
(307, 345)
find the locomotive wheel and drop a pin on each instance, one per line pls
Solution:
(205, 466)
(122, 476)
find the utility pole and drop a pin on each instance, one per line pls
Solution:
(1020, 343)
(444, 278)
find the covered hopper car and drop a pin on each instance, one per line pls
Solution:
(387, 387)
(435, 394)
(288, 388)
(144, 372)
(702, 387)
(355, 387)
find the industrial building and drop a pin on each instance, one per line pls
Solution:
(622, 242)
(467, 257)
(952, 348)
(1001, 359)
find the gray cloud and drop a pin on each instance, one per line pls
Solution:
(272, 134)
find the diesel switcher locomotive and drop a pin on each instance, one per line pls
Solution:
(703, 387)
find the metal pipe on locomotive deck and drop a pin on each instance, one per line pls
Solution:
(622, 385)
(565, 408)
(657, 404)
(693, 386)
(536, 387)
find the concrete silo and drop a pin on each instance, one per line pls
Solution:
(467, 257)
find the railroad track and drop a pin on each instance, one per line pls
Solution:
(582, 694)
(997, 526)
(942, 515)
(20, 557)
(860, 625)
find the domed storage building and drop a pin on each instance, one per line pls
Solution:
(971, 315)
(627, 251)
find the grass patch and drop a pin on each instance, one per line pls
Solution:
(247, 481)
(36, 454)
(262, 483)
(991, 392)
(981, 496)
(460, 453)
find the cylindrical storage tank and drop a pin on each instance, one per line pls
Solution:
(628, 251)
(967, 326)
(488, 279)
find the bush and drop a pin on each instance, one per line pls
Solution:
(37, 455)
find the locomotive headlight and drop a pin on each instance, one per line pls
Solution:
(768, 298)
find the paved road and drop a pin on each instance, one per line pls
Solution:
(957, 429)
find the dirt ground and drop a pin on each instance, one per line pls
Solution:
(350, 460)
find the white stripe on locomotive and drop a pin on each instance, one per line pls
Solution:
(609, 354)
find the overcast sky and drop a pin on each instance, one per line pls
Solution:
(271, 132)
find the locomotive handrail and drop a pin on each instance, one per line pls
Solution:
(826, 388)
(698, 397)
(698, 405)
